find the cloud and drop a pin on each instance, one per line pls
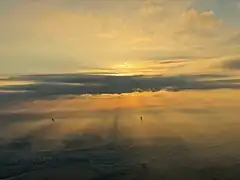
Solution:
(65, 85)
(236, 4)
(196, 19)
(44, 63)
(199, 26)
(234, 39)
(105, 33)
(233, 64)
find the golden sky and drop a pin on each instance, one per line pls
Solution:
(136, 37)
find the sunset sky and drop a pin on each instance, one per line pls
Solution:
(129, 36)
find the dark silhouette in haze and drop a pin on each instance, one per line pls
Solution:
(53, 120)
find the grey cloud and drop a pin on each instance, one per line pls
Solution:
(62, 85)
(232, 64)
(234, 39)
(160, 55)
(171, 61)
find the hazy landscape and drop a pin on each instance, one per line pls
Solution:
(54, 133)
(119, 90)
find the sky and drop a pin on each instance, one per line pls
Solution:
(132, 36)
(97, 73)
(86, 62)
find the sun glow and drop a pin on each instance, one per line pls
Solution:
(125, 65)
(126, 68)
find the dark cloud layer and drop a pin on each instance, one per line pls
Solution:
(54, 86)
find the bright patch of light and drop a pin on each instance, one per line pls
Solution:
(125, 65)
(125, 69)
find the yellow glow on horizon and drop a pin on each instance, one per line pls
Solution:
(186, 114)
(127, 68)
(11, 83)
(125, 65)
(163, 99)
(124, 68)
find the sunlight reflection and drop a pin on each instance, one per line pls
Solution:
(187, 115)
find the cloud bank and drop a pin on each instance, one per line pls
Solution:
(63, 85)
